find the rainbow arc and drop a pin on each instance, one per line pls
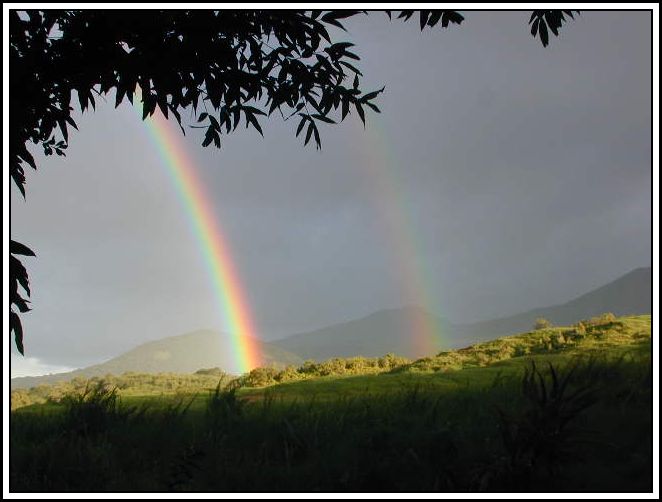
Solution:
(208, 232)
(206, 227)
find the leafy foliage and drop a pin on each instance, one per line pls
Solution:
(222, 65)
(593, 335)
(217, 372)
(17, 275)
(541, 20)
(542, 323)
(128, 384)
(260, 377)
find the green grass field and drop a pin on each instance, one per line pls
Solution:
(558, 409)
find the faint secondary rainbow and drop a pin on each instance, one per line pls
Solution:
(212, 242)
(380, 164)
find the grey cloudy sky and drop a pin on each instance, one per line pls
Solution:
(506, 175)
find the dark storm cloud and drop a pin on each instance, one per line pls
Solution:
(524, 173)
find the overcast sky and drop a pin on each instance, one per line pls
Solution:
(500, 177)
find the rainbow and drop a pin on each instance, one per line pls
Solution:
(381, 167)
(207, 230)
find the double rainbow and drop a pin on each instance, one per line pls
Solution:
(379, 165)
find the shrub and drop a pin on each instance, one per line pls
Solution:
(482, 359)
(289, 373)
(600, 320)
(308, 366)
(20, 398)
(259, 377)
(558, 341)
(606, 318)
(542, 323)
(580, 328)
(391, 361)
(210, 371)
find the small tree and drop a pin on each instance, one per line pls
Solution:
(542, 323)
(211, 372)
(607, 318)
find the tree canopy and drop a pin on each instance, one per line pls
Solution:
(224, 65)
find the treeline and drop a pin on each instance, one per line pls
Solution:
(206, 379)
(597, 332)
(604, 329)
(260, 377)
(129, 383)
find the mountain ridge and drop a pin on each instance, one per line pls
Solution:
(185, 353)
(374, 335)
(379, 333)
(629, 294)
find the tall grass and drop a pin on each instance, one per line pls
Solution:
(539, 427)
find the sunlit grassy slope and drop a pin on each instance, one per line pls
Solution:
(476, 365)
(478, 419)
(480, 364)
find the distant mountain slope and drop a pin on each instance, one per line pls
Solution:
(371, 336)
(627, 295)
(386, 331)
(390, 330)
(177, 354)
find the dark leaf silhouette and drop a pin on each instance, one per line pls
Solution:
(309, 132)
(18, 276)
(542, 20)
(17, 329)
(18, 248)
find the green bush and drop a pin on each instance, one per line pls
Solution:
(260, 377)
(542, 323)
(210, 371)
(336, 366)
(600, 320)
(22, 397)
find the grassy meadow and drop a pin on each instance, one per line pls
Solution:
(558, 409)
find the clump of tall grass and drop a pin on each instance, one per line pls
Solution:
(95, 409)
(541, 434)
(182, 469)
(175, 411)
(223, 411)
